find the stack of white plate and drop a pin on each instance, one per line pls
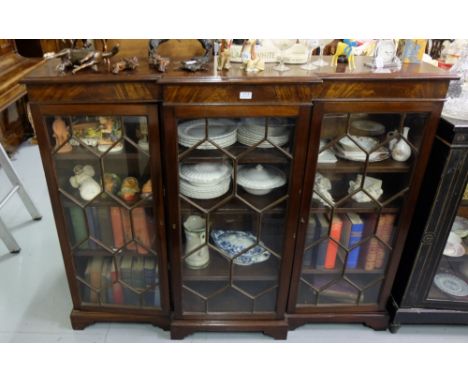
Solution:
(204, 180)
(251, 131)
(347, 148)
(223, 132)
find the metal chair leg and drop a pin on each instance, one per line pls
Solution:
(16, 182)
(17, 186)
(8, 239)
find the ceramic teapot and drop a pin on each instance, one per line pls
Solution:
(195, 235)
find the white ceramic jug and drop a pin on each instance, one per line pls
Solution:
(195, 235)
(401, 151)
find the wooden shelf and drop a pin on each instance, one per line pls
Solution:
(219, 270)
(258, 201)
(258, 155)
(344, 166)
(100, 202)
(309, 270)
(84, 155)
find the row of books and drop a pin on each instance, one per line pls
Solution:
(348, 229)
(111, 226)
(137, 276)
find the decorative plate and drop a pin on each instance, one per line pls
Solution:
(234, 242)
(209, 191)
(365, 126)
(205, 172)
(221, 131)
(376, 156)
(451, 284)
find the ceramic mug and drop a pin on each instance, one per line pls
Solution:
(195, 235)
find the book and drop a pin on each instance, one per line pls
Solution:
(93, 226)
(116, 292)
(105, 226)
(355, 227)
(332, 248)
(95, 277)
(117, 227)
(375, 256)
(125, 269)
(138, 277)
(106, 282)
(141, 230)
(322, 231)
(127, 230)
(384, 232)
(79, 227)
(151, 277)
(311, 236)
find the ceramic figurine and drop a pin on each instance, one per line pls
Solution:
(195, 236)
(111, 132)
(130, 189)
(400, 149)
(345, 48)
(372, 186)
(251, 62)
(323, 186)
(127, 63)
(146, 190)
(112, 183)
(224, 57)
(83, 180)
(61, 136)
(143, 135)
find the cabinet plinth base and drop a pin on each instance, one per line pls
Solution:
(376, 321)
(80, 319)
(428, 316)
(278, 329)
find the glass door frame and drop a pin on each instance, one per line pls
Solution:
(170, 115)
(320, 109)
(150, 111)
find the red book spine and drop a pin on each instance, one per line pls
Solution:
(384, 232)
(117, 227)
(332, 248)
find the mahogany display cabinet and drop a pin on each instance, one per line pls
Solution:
(233, 201)
(432, 281)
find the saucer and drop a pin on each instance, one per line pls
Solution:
(451, 284)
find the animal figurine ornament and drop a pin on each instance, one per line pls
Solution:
(224, 58)
(83, 180)
(158, 62)
(61, 136)
(77, 59)
(251, 62)
(127, 63)
(345, 48)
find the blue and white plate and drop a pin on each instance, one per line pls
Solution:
(234, 242)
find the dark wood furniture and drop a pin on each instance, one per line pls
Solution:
(14, 124)
(279, 289)
(417, 297)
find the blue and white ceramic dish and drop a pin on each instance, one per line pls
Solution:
(234, 242)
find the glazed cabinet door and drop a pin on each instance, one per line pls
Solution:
(234, 175)
(102, 165)
(363, 172)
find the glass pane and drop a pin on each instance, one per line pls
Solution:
(233, 184)
(364, 169)
(450, 283)
(103, 172)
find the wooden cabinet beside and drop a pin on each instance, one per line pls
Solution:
(232, 253)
